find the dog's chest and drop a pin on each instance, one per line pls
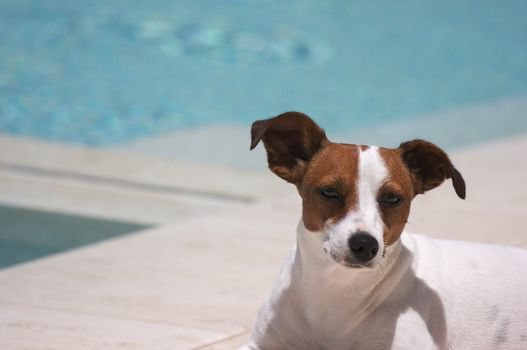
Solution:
(328, 315)
(389, 327)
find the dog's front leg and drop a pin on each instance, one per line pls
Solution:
(263, 336)
(249, 346)
(271, 321)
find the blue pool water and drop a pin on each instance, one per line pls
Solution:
(101, 72)
(27, 234)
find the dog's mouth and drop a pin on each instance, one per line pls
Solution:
(348, 262)
(355, 265)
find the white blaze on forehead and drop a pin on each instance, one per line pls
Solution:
(372, 174)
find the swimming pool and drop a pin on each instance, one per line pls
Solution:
(28, 234)
(102, 73)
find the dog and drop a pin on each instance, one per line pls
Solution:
(355, 279)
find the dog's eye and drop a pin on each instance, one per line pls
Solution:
(329, 192)
(390, 199)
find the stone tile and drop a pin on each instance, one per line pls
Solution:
(33, 155)
(227, 344)
(23, 327)
(204, 148)
(102, 201)
(521, 243)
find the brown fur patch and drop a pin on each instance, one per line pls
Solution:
(336, 166)
(399, 181)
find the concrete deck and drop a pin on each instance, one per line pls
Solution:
(197, 283)
(123, 186)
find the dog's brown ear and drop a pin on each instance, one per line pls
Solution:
(430, 166)
(290, 139)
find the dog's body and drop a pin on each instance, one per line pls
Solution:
(354, 281)
(427, 294)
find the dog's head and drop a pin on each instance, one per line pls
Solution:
(355, 198)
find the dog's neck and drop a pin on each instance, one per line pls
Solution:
(360, 289)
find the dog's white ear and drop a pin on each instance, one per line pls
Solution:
(290, 139)
(430, 166)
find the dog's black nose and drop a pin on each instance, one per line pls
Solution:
(363, 246)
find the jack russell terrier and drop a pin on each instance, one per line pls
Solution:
(356, 280)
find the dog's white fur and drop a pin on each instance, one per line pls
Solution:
(423, 294)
